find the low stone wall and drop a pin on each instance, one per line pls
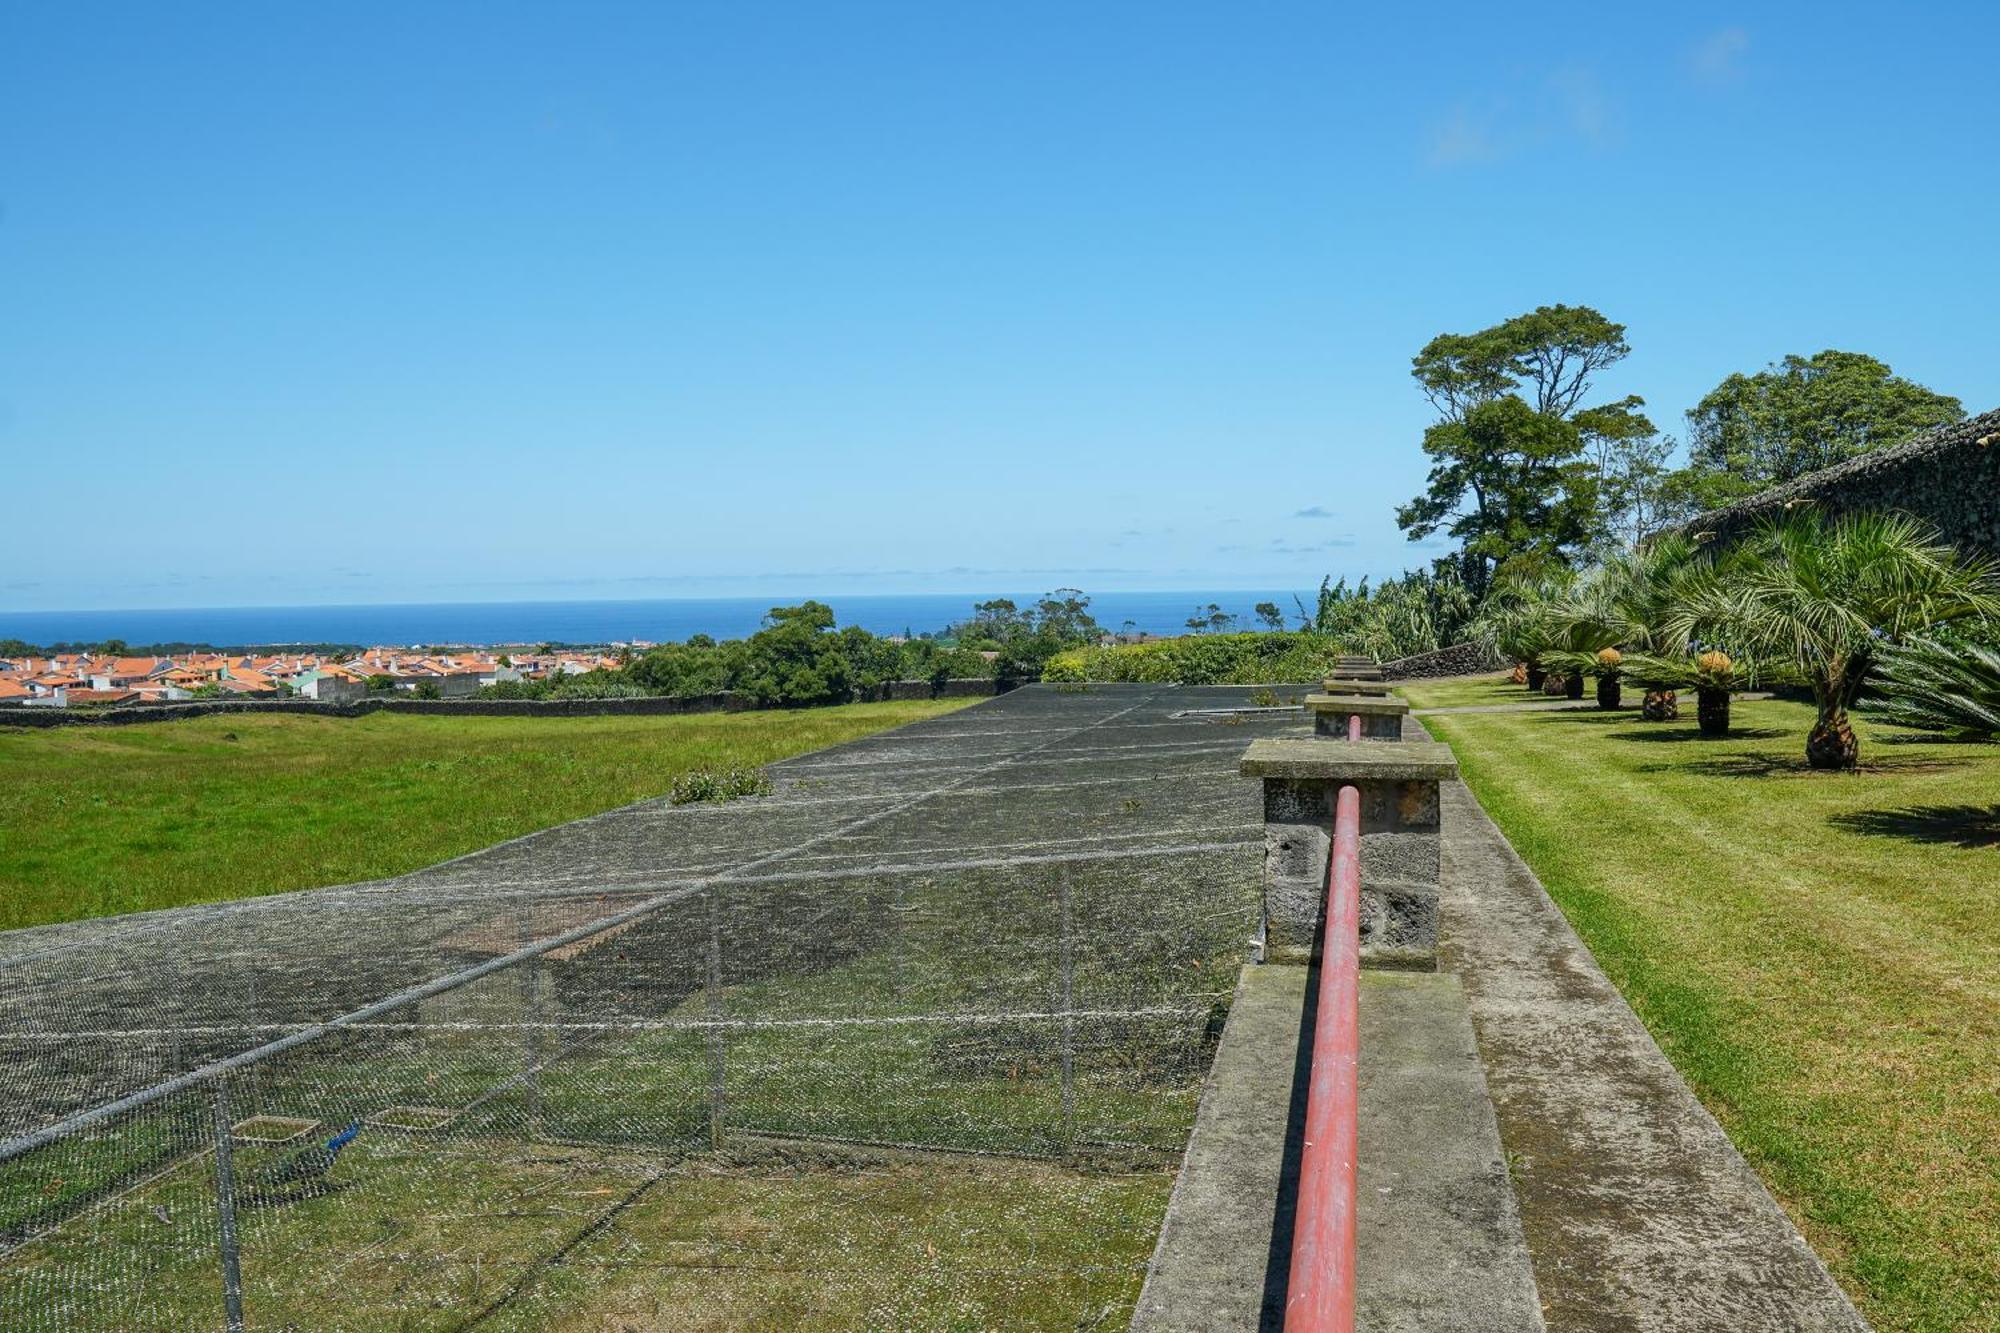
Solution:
(665, 705)
(1949, 477)
(1461, 659)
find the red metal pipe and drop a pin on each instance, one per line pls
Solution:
(1354, 726)
(1320, 1296)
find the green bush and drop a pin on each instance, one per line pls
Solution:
(726, 784)
(1204, 659)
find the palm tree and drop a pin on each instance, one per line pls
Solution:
(1619, 617)
(1515, 618)
(1828, 594)
(1953, 688)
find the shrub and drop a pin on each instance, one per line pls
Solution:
(1204, 659)
(727, 784)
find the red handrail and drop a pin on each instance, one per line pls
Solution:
(1320, 1296)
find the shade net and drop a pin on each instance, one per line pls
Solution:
(915, 1040)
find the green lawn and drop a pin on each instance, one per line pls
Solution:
(101, 820)
(1818, 953)
(1465, 693)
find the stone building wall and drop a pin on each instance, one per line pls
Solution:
(1949, 477)
(1461, 659)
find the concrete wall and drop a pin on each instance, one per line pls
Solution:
(663, 706)
(1948, 477)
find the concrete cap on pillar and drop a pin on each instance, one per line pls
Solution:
(1299, 758)
(1367, 705)
(1353, 685)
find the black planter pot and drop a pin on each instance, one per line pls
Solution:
(1712, 712)
(1535, 677)
(1573, 686)
(1608, 692)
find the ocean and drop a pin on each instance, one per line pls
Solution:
(660, 620)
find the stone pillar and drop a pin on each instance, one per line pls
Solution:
(1381, 718)
(1398, 783)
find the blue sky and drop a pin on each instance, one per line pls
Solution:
(438, 302)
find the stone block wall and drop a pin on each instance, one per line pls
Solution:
(1461, 659)
(1400, 868)
(1949, 477)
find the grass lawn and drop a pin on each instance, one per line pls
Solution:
(101, 820)
(1818, 953)
(1470, 692)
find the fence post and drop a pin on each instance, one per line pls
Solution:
(531, 995)
(1068, 1012)
(717, 1048)
(225, 1209)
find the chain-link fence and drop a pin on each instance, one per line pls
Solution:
(915, 1040)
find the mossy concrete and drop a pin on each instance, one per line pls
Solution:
(1639, 1212)
(1439, 1247)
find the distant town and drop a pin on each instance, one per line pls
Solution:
(68, 680)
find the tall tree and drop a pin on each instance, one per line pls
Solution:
(1516, 456)
(1803, 413)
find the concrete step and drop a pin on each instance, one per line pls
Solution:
(1439, 1245)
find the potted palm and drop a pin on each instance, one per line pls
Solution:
(1609, 695)
(1828, 595)
(1714, 673)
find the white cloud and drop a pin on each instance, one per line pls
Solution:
(1717, 59)
(1564, 106)
(1464, 138)
(1583, 107)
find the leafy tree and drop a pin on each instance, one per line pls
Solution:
(1637, 494)
(1804, 413)
(1210, 619)
(794, 659)
(1270, 616)
(1510, 479)
(427, 689)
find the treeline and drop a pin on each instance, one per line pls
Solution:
(1534, 471)
(800, 657)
